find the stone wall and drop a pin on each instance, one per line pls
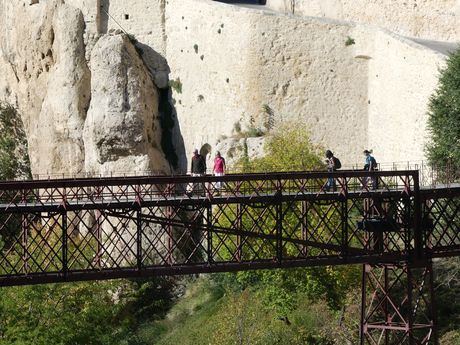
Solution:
(371, 93)
(402, 77)
(236, 63)
(430, 19)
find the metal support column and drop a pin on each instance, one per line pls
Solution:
(397, 305)
(64, 258)
(279, 223)
(139, 238)
(209, 253)
(304, 227)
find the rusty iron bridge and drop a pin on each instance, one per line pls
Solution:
(105, 228)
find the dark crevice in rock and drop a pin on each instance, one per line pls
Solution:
(166, 109)
(167, 123)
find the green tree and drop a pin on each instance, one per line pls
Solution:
(14, 159)
(444, 116)
(444, 150)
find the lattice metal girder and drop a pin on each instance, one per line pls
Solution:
(283, 220)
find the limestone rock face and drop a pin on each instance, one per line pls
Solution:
(56, 143)
(121, 132)
(26, 57)
(53, 64)
(233, 150)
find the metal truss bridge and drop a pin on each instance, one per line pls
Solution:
(85, 229)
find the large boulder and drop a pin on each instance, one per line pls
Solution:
(122, 131)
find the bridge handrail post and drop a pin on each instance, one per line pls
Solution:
(418, 235)
(279, 220)
(344, 214)
(64, 239)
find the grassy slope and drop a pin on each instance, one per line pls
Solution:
(207, 315)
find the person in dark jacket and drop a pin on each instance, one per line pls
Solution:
(198, 165)
(331, 163)
(370, 164)
(197, 168)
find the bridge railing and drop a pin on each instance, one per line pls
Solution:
(80, 192)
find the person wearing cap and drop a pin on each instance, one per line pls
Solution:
(219, 168)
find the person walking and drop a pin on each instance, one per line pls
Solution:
(219, 168)
(370, 164)
(333, 164)
(198, 164)
(197, 168)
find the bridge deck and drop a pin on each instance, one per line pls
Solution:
(63, 230)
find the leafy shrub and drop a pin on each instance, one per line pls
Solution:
(350, 41)
(176, 85)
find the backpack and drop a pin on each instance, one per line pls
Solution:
(337, 164)
(374, 164)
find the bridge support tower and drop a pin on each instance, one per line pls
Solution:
(398, 305)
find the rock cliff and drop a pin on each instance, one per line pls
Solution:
(97, 100)
(88, 101)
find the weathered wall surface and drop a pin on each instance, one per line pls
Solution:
(145, 20)
(402, 77)
(242, 60)
(370, 94)
(430, 19)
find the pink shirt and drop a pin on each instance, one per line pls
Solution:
(219, 164)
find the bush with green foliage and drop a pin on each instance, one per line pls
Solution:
(14, 159)
(90, 313)
(209, 315)
(444, 116)
(289, 148)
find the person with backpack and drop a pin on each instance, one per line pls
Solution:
(370, 164)
(333, 164)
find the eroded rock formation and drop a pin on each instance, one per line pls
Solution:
(88, 101)
(121, 131)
